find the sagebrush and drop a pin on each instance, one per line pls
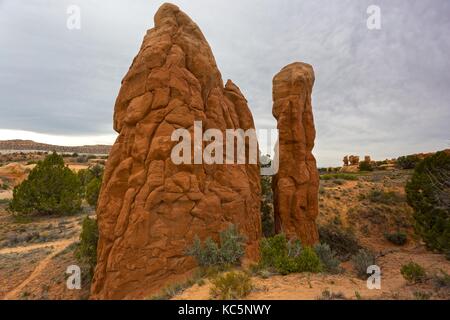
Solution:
(229, 251)
(231, 285)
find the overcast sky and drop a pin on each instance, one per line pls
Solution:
(382, 93)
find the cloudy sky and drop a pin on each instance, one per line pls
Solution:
(382, 92)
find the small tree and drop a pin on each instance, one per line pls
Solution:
(87, 249)
(407, 162)
(51, 188)
(93, 191)
(428, 192)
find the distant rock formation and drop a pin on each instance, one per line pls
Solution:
(150, 209)
(354, 160)
(345, 160)
(296, 184)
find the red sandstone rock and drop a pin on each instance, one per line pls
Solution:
(354, 160)
(150, 209)
(297, 182)
(345, 160)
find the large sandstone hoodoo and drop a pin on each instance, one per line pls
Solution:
(150, 209)
(297, 182)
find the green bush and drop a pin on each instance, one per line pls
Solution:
(407, 162)
(308, 261)
(51, 188)
(87, 249)
(361, 261)
(93, 191)
(428, 193)
(398, 238)
(230, 252)
(365, 166)
(328, 258)
(273, 250)
(231, 286)
(342, 242)
(288, 256)
(413, 272)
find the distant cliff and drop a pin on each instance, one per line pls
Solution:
(24, 145)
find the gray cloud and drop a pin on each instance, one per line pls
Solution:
(383, 93)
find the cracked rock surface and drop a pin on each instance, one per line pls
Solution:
(150, 209)
(297, 182)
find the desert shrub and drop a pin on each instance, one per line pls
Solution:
(273, 250)
(384, 197)
(343, 242)
(206, 254)
(441, 280)
(87, 249)
(232, 246)
(407, 162)
(231, 286)
(398, 238)
(365, 166)
(93, 191)
(267, 217)
(328, 258)
(329, 295)
(413, 272)
(308, 261)
(361, 261)
(51, 188)
(176, 288)
(230, 251)
(422, 295)
(342, 176)
(288, 256)
(428, 193)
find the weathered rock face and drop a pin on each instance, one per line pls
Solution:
(150, 209)
(354, 160)
(345, 160)
(297, 182)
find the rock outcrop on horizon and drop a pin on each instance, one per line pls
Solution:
(296, 184)
(150, 209)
